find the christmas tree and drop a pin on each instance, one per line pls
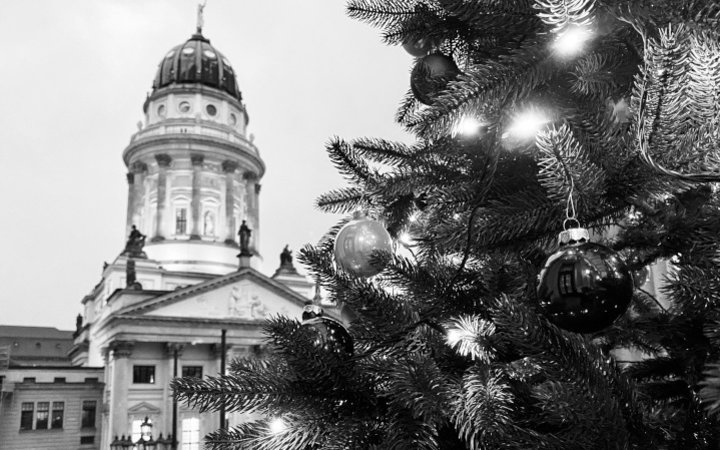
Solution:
(475, 328)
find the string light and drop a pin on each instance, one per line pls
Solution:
(526, 124)
(467, 126)
(406, 238)
(277, 426)
(572, 41)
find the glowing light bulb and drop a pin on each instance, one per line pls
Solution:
(526, 124)
(277, 426)
(405, 238)
(453, 336)
(467, 126)
(572, 41)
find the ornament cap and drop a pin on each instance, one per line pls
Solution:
(574, 236)
(311, 311)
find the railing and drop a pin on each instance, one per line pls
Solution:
(193, 129)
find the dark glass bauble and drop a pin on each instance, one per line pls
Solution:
(420, 47)
(431, 75)
(330, 335)
(584, 287)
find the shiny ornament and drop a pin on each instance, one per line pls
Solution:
(327, 333)
(641, 276)
(431, 75)
(583, 286)
(420, 47)
(356, 243)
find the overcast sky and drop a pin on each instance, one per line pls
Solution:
(73, 79)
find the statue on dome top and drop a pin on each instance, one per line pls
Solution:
(286, 259)
(135, 244)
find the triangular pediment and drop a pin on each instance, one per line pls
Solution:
(144, 408)
(246, 296)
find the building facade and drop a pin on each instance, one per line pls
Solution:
(185, 295)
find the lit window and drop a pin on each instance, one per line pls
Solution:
(144, 374)
(26, 416)
(192, 371)
(181, 221)
(43, 413)
(209, 223)
(58, 411)
(191, 434)
(136, 430)
(88, 413)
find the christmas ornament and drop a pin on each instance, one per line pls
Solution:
(329, 334)
(583, 286)
(420, 47)
(355, 244)
(431, 75)
(640, 276)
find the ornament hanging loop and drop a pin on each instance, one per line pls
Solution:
(573, 232)
(570, 212)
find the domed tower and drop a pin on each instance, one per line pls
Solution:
(193, 172)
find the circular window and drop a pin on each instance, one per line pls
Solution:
(161, 110)
(211, 110)
(184, 107)
(232, 120)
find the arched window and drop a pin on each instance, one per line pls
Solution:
(181, 220)
(209, 223)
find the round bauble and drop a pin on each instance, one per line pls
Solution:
(356, 243)
(431, 75)
(327, 333)
(420, 47)
(584, 287)
(641, 276)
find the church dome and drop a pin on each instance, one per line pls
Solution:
(196, 61)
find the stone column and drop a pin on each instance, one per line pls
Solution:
(174, 352)
(163, 161)
(229, 167)
(131, 203)
(121, 379)
(252, 192)
(135, 178)
(197, 161)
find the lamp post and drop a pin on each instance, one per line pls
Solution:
(146, 435)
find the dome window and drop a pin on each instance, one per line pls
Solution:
(210, 54)
(170, 54)
(161, 111)
(232, 120)
(184, 107)
(188, 51)
(211, 110)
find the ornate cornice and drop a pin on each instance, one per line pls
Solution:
(121, 349)
(138, 167)
(163, 159)
(196, 159)
(229, 166)
(172, 347)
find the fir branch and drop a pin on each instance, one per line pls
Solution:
(381, 13)
(564, 14)
(347, 161)
(344, 200)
